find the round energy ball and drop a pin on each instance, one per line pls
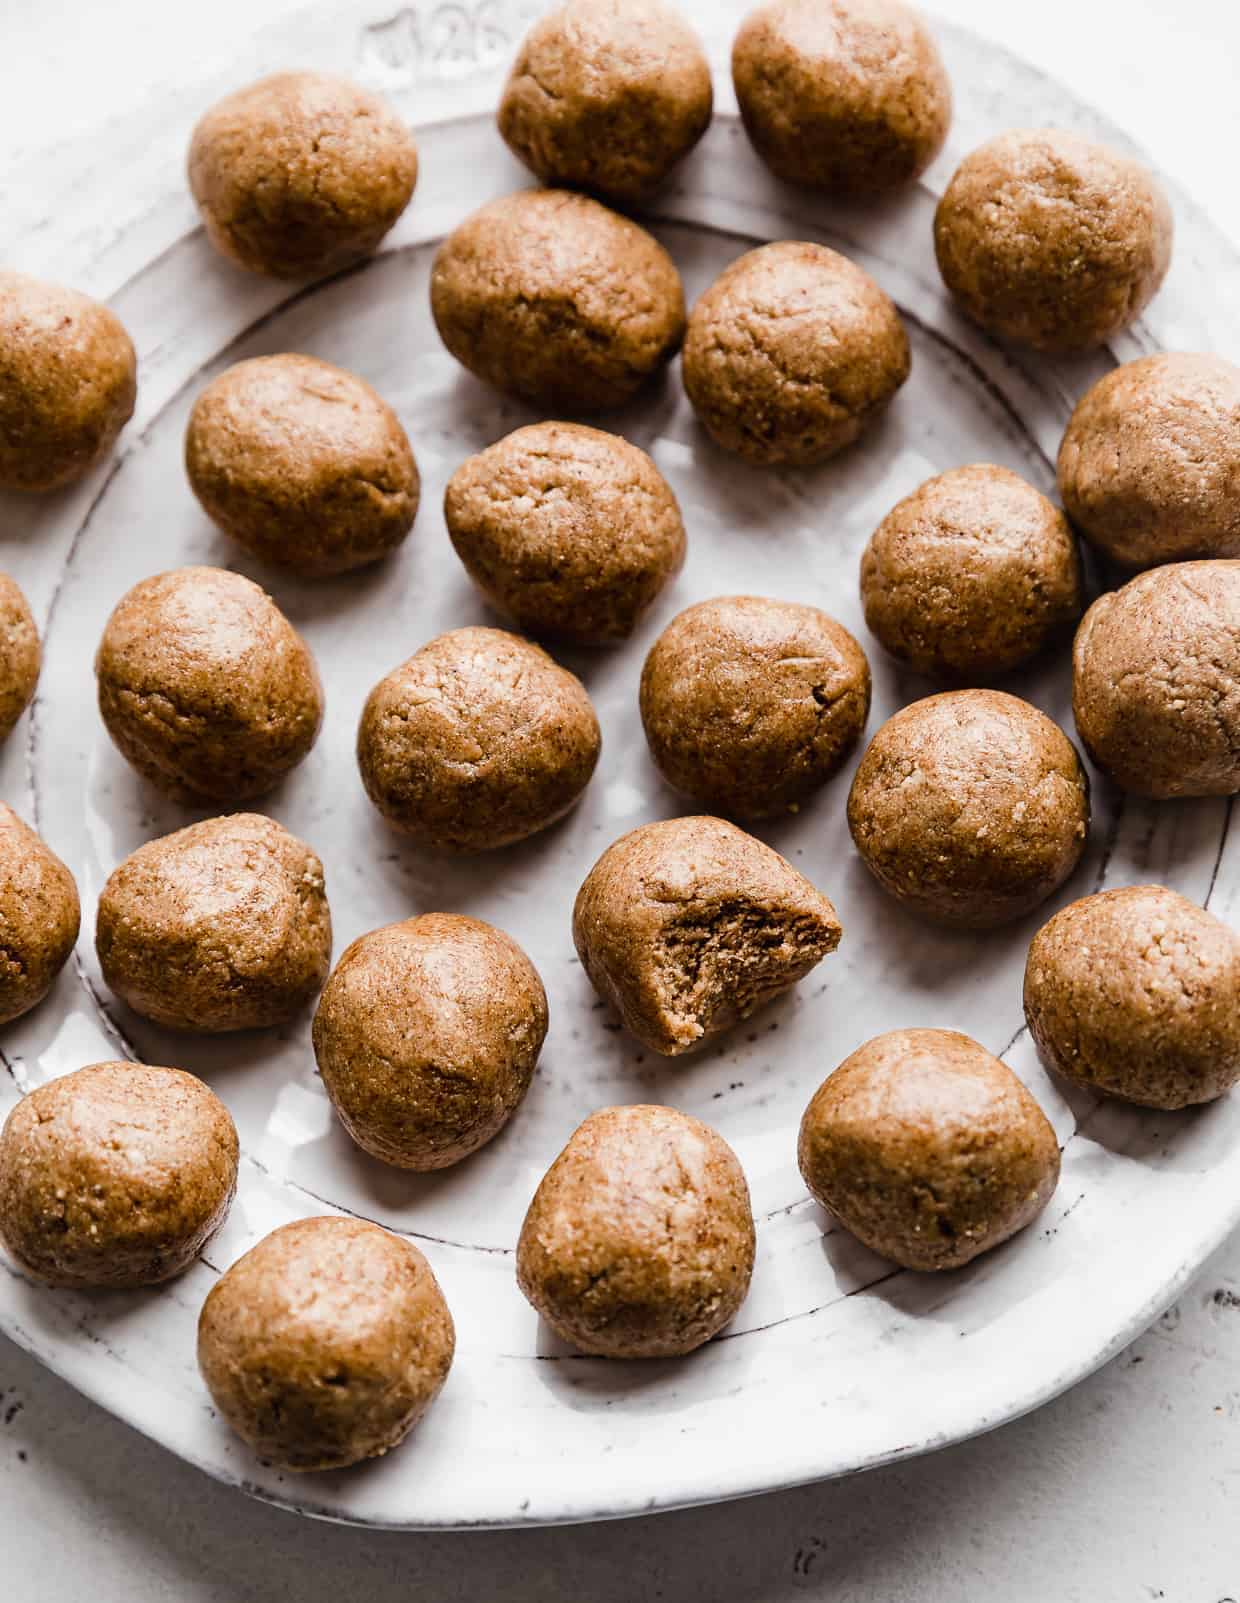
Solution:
(68, 383)
(846, 96)
(477, 741)
(301, 173)
(1136, 993)
(791, 354)
(556, 300)
(570, 531)
(426, 1037)
(1149, 468)
(607, 95)
(751, 705)
(927, 1149)
(971, 575)
(20, 655)
(1156, 681)
(115, 1175)
(221, 926)
(205, 686)
(639, 1242)
(39, 916)
(325, 1343)
(303, 464)
(1052, 241)
(970, 808)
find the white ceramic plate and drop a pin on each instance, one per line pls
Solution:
(837, 1361)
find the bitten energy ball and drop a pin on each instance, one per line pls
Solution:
(927, 1149)
(971, 575)
(687, 925)
(39, 916)
(639, 1242)
(1052, 241)
(1136, 993)
(607, 95)
(426, 1038)
(847, 96)
(68, 382)
(1156, 681)
(570, 531)
(751, 705)
(1149, 468)
(20, 655)
(791, 354)
(115, 1175)
(300, 173)
(479, 740)
(303, 464)
(971, 808)
(326, 1343)
(556, 300)
(221, 926)
(205, 686)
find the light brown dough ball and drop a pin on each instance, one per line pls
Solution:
(426, 1037)
(1052, 241)
(205, 686)
(301, 173)
(303, 464)
(1149, 468)
(477, 741)
(326, 1343)
(607, 95)
(556, 300)
(751, 705)
(847, 96)
(1156, 681)
(639, 1242)
(927, 1149)
(39, 916)
(791, 354)
(20, 655)
(971, 575)
(115, 1175)
(970, 808)
(570, 531)
(68, 383)
(687, 925)
(221, 926)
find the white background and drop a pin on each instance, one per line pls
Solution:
(1127, 1488)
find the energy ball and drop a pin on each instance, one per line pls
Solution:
(751, 705)
(1136, 993)
(607, 95)
(639, 1242)
(1149, 469)
(301, 173)
(970, 808)
(1156, 681)
(303, 464)
(39, 917)
(205, 687)
(927, 1149)
(570, 531)
(846, 96)
(326, 1343)
(477, 741)
(20, 655)
(971, 575)
(1052, 241)
(115, 1175)
(68, 383)
(791, 354)
(426, 1038)
(687, 925)
(556, 300)
(221, 926)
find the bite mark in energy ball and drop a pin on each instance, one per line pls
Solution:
(39, 916)
(326, 1343)
(21, 655)
(639, 1242)
(688, 925)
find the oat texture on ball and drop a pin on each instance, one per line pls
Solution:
(39, 916)
(21, 655)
